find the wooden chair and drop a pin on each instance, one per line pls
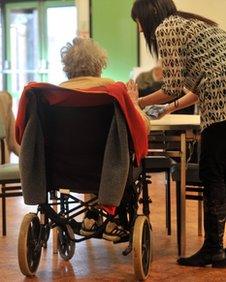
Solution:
(158, 161)
(9, 178)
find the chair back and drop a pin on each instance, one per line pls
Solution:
(75, 139)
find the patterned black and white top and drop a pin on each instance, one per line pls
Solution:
(194, 55)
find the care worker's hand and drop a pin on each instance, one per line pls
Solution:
(132, 90)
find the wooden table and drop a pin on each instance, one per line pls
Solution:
(187, 126)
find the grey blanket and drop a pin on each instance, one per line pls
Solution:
(32, 158)
(116, 162)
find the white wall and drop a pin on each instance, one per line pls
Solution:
(213, 9)
(146, 60)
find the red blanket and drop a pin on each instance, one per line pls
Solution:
(66, 97)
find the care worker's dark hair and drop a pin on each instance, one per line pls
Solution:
(151, 13)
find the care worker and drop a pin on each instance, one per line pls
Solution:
(193, 54)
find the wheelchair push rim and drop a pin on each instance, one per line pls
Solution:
(142, 247)
(29, 245)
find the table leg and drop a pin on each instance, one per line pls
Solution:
(182, 194)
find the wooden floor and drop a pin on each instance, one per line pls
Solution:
(99, 260)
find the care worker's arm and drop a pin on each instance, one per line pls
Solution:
(157, 97)
(187, 100)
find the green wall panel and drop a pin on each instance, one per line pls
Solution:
(114, 29)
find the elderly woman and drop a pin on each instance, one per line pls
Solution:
(83, 62)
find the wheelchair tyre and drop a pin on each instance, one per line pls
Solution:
(66, 246)
(142, 247)
(29, 245)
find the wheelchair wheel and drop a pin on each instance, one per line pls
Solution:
(142, 247)
(29, 245)
(66, 246)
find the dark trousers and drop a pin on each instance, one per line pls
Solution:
(213, 163)
(213, 176)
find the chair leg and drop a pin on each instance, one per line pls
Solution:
(178, 204)
(168, 203)
(3, 211)
(199, 215)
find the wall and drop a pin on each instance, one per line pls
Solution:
(213, 9)
(114, 30)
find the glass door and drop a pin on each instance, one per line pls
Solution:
(61, 28)
(22, 45)
(35, 33)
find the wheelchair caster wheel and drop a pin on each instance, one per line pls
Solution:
(46, 236)
(66, 246)
(142, 247)
(29, 244)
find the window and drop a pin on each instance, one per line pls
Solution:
(35, 33)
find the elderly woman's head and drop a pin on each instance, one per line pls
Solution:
(84, 57)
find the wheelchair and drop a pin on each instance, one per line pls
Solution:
(74, 148)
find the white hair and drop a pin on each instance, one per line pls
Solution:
(84, 57)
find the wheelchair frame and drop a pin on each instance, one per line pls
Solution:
(35, 227)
